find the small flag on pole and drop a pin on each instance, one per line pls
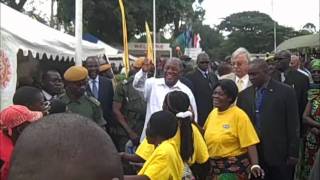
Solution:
(149, 44)
(125, 39)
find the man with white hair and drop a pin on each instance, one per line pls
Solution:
(240, 63)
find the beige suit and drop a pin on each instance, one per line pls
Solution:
(232, 77)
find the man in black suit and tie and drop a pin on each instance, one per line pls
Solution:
(101, 88)
(273, 109)
(295, 79)
(202, 83)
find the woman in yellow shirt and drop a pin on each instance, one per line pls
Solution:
(165, 161)
(230, 137)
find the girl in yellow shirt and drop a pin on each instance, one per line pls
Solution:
(230, 137)
(165, 161)
(188, 138)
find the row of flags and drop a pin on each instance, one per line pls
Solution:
(150, 54)
(188, 39)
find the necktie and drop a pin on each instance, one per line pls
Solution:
(258, 103)
(240, 85)
(95, 89)
(205, 75)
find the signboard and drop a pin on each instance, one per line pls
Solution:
(143, 46)
(192, 52)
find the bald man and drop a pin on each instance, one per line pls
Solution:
(65, 147)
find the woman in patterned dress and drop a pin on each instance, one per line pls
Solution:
(311, 118)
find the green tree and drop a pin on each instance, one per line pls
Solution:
(310, 27)
(103, 19)
(254, 31)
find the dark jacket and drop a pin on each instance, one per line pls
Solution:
(279, 121)
(202, 91)
(105, 98)
(300, 83)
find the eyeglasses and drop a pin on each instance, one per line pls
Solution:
(204, 62)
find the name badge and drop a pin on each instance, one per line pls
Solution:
(226, 126)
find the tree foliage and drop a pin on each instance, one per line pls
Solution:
(255, 31)
(310, 27)
(103, 19)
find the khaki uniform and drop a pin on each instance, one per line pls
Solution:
(133, 108)
(85, 106)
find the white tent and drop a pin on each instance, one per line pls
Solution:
(18, 31)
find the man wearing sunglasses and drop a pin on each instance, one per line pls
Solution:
(202, 83)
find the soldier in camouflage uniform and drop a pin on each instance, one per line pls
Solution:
(130, 109)
(75, 98)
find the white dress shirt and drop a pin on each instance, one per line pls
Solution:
(97, 83)
(154, 91)
(46, 95)
(245, 80)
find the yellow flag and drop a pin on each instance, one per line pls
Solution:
(149, 44)
(125, 39)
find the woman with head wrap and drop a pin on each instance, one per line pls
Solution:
(311, 119)
(13, 120)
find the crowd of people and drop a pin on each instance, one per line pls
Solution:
(248, 118)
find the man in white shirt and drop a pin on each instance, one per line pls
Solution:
(154, 90)
(240, 63)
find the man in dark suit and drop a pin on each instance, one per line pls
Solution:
(101, 88)
(273, 109)
(295, 79)
(202, 83)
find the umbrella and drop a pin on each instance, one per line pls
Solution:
(300, 42)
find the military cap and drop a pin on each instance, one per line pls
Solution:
(139, 62)
(271, 59)
(75, 73)
(104, 67)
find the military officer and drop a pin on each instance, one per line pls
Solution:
(129, 109)
(75, 98)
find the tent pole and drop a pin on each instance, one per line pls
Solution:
(274, 29)
(78, 30)
(154, 38)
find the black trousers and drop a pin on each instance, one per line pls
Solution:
(275, 172)
(283, 172)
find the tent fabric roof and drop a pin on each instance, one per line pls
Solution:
(305, 41)
(23, 32)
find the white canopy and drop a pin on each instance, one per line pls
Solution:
(18, 31)
(28, 34)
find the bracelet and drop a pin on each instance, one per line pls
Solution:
(255, 166)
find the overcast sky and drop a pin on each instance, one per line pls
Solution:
(293, 13)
